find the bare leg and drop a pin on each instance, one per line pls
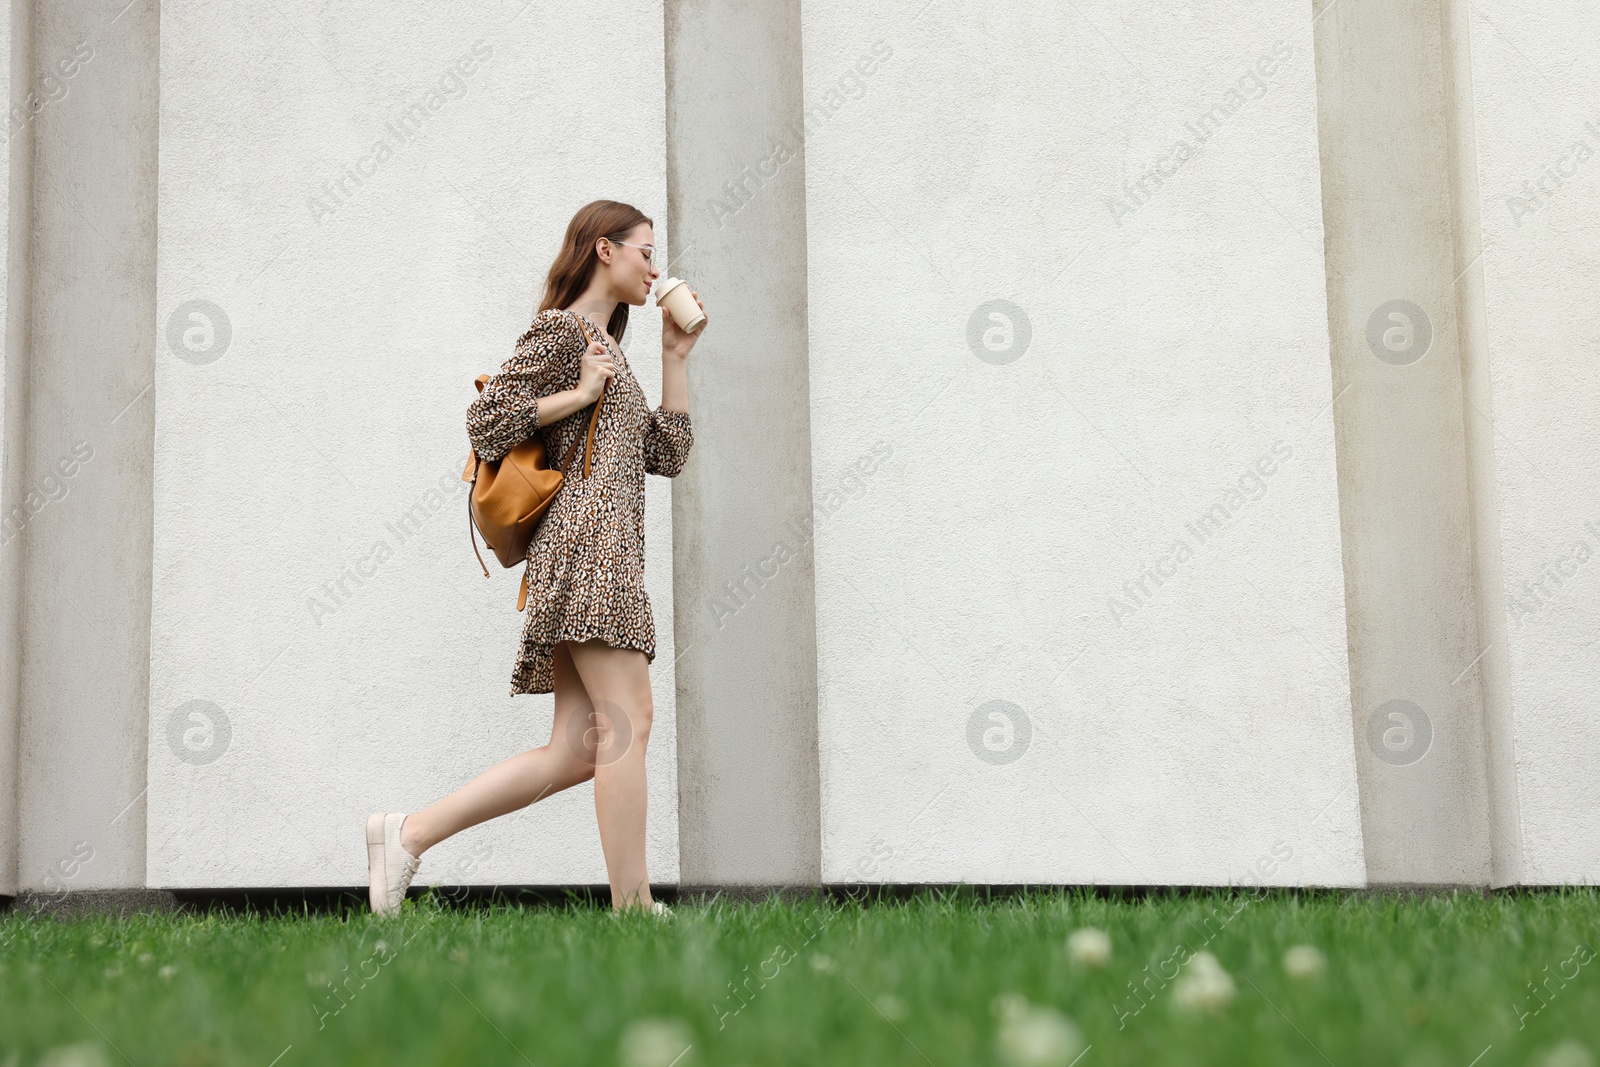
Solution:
(518, 781)
(618, 682)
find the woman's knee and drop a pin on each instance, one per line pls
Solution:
(573, 764)
(640, 706)
(621, 727)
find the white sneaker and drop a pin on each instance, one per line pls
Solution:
(389, 867)
(656, 908)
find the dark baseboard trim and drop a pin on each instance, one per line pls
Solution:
(81, 903)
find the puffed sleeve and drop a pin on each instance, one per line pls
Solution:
(548, 359)
(667, 438)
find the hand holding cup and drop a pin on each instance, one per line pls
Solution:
(683, 316)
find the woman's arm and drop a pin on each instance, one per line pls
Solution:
(674, 382)
(675, 348)
(547, 378)
(557, 406)
(669, 434)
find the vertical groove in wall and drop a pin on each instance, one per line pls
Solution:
(745, 624)
(1477, 413)
(87, 577)
(1406, 518)
(13, 436)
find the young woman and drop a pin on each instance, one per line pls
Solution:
(589, 635)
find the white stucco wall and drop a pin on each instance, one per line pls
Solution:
(357, 307)
(1538, 187)
(1008, 489)
(1024, 345)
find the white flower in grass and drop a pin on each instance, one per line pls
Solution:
(892, 1007)
(656, 1042)
(83, 1054)
(167, 971)
(1008, 1005)
(1204, 985)
(1567, 1054)
(1089, 946)
(823, 964)
(1304, 961)
(1035, 1035)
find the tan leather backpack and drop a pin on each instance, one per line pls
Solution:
(510, 495)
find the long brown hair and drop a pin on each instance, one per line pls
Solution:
(575, 263)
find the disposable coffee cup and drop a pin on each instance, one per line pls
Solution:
(674, 295)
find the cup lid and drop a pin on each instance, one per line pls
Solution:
(665, 286)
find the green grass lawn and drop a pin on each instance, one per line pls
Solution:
(941, 979)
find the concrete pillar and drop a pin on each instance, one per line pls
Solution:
(88, 426)
(17, 65)
(736, 181)
(1389, 219)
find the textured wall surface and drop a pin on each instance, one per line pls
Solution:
(1140, 444)
(1534, 88)
(1080, 606)
(86, 489)
(353, 226)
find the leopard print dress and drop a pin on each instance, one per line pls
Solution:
(586, 562)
